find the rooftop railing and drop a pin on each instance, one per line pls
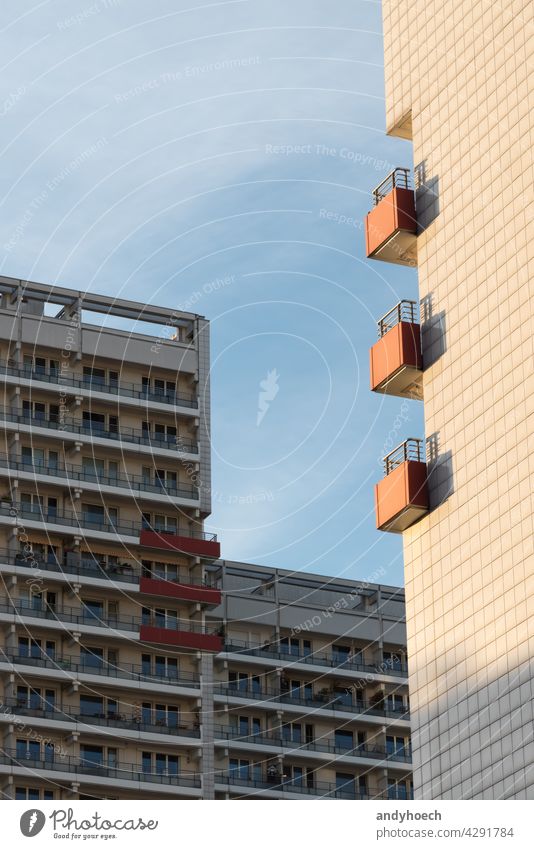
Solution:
(403, 311)
(95, 666)
(129, 390)
(95, 430)
(410, 449)
(399, 178)
(75, 474)
(86, 766)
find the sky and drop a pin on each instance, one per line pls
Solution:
(219, 158)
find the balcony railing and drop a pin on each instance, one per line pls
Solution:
(94, 666)
(316, 658)
(81, 766)
(279, 741)
(326, 701)
(285, 785)
(37, 609)
(91, 521)
(399, 178)
(129, 572)
(411, 449)
(129, 390)
(128, 722)
(94, 430)
(75, 475)
(403, 311)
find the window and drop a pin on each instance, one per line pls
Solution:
(160, 764)
(244, 682)
(295, 647)
(92, 755)
(345, 786)
(162, 715)
(36, 648)
(247, 726)
(94, 421)
(91, 657)
(94, 375)
(35, 698)
(32, 793)
(399, 790)
(243, 770)
(161, 666)
(343, 695)
(292, 732)
(344, 740)
(159, 617)
(392, 660)
(340, 654)
(396, 746)
(93, 609)
(91, 705)
(394, 702)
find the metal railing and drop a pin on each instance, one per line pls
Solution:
(129, 390)
(81, 766)
(399, 178)
(410, 449)
(93, 666)
(94, 430)
(274, 651)
(129, 572)
(128, 722)
(40, 609)
(138, 483)
(403, 311)
(281, 784)
(326, 701)
(89, 521)
(266, 738)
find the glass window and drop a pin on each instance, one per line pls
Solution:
(92, 755)
(345, 786)
(344, 740)
(91, 705)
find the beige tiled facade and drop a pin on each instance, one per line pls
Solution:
(133, 662)
(457, 83)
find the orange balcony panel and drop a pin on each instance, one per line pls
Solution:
(181, 639)
(207, 548)
(391, 228)
(401, 498)
(396, 362)
(184, 592)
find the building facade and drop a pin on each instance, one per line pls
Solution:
(458, 85)
(134, 663)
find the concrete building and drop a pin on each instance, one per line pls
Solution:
(133, 662)
(458, 86)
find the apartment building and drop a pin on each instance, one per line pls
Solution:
(133, 662)
(458, 86)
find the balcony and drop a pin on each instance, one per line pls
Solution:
(283, 785)
(396, 363)
(123, 772)
(269, 739)
(138, 391)
(119, 721)
(196, 543)
(274, 651)
(208, 596)
(401, 497)
(95, 666)
(74, 476)
(68, 425)
(319, 701)
(391, 226)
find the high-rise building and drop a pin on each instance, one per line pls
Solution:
(133, 662)
(457, 85)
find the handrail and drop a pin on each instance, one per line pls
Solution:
(130, 390)
(120, 770)
(410, 449)
(281, 784)
(403, 311)
(112, 720)
(121, 434)
(398, 178)
(92, 522)
(128, 671)
(75, 473)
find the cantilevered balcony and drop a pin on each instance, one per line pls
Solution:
(247, 781)
(401, 497)
(48, 377)
(391, 226)
(396, 363)
(198, 543)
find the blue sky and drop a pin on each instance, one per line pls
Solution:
(220, 157)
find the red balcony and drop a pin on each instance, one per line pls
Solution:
(391, 226)
(396, 363)
(197, 543)
(401, 497)
(184, 592)
(180, 639)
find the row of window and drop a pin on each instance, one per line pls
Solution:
(304, 690)
(98, 422)
(97, 756)
(96, 657)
